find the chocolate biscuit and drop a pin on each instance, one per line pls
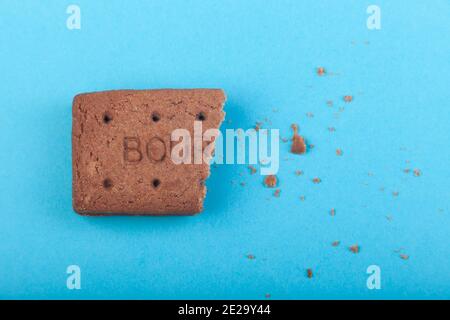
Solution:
(121, 151)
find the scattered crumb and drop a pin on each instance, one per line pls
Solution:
(355, 248)
(298, 143)
(335, 243)
(317, 180)
(252, 169)
(258, 126)
(389, 217)
(404, 256)
(406, 170)
(348, 98)
(321, 71)
(298, 172)
(309, 273)
(329, 103)
(417, 173)
(270, 181)
(251, 257)
(311, 146)
(331, 129)
(302, 198)
(277, 193)
(332, 212)
(242, 184)
(267, 295)
(395, 193)
(339, 152)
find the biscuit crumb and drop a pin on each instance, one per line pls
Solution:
(277, 193)
(252, 169)
(329, 103)
(395, 193)
(302, 198)
(316, 180)
(417, 173)
(339, 152)
(298, 143)
(354, 248)
(251, 256)
(331, 129)
(335, 243)
(321, 71)
(258, 126)
(404, 256)
(407, 170)
(270, 181)
(298, 172)
(309, 273)
(348, 98)
(242, 184)
(310, 115)
(267, 296)
(333, 212)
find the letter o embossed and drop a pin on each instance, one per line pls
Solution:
(156, 149)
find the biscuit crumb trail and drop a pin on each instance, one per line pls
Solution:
(354, 248)
(335, 243)
(339, 152)
(252, 169)
(348, 98)
(417, 173)
(309, 273)
(321, 71)
(332, 212)
(298, 172)
(298, 143)
(316, 180)
(277, 193)
(404, 256)
(251, 257)
(270, 181)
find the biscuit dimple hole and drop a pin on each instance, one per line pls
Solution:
(201, 116)
(156, 117)
(156, 183)
(107, 118)
(107, 183)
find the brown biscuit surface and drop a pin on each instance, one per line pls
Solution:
(121, 150)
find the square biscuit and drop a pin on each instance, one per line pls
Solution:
(121, 151)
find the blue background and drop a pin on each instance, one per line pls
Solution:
(264, 55)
